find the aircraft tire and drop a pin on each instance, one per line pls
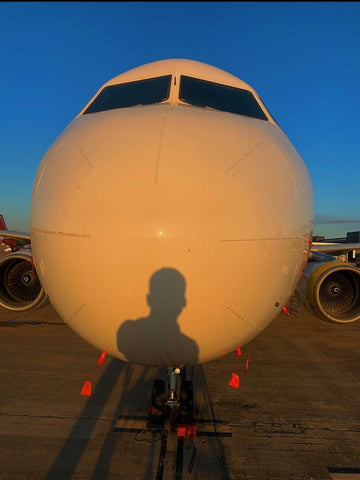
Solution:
(157, 403)
(187, 402)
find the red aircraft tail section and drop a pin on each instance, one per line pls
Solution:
(2, 223)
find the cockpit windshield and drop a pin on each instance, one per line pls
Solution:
(202, 93)
(142, 92)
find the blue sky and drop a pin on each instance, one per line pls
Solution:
(302, 58)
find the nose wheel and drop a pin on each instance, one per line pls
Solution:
(187, 403)
(156, 418)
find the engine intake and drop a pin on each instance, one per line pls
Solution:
(332, 291)
(20, 288)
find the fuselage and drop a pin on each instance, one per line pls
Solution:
(169, 234)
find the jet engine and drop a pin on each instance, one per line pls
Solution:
(332, 291)
(20, 288)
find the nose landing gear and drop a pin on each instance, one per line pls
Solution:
(173, 374)
(177, 408)
(171, 422)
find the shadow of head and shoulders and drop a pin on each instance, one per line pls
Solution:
(157, 339)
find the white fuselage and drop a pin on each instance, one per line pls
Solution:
(219, 204)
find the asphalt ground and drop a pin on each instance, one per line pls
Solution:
(295, 416)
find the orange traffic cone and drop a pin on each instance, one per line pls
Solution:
(86, 389)
(101, 358)
(247, 364)
(234, 381)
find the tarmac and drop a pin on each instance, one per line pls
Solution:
(295, 416)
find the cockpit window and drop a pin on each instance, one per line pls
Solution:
(142, 92)
(202, 93)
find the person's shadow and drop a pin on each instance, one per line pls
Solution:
(156, 340)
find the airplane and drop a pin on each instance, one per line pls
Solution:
(11, 243)
(208, 206)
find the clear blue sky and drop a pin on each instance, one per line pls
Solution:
(302, 58)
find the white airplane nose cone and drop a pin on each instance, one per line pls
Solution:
(154, 227)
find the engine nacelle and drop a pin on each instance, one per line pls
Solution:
(20, 288)
(332, 291)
